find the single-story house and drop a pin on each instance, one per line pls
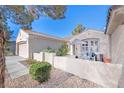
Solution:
(109, 43)
(29, 42)
(88, 42)
(83, 44)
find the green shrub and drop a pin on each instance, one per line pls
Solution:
(49, 50)
(63, 50)
(40, 71)
(31, 61)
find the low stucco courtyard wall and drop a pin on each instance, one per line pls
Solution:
(44, 56)
(38, 56)
(106, 75)
(49, 57)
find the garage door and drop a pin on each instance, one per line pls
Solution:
(23, 50)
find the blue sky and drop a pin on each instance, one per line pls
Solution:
(90, 16)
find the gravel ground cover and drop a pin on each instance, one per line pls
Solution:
(59, 79)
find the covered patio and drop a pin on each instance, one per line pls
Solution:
(85, 48)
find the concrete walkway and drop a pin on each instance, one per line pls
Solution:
(14, 67)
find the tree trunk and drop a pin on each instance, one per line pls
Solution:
(2, 57)
(2, 60)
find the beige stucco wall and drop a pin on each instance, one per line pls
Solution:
(103, 39)
(37, 44)
(103, 74)
(117, 49)
(115, 29)
(117, 45)
(100, 73)
(22, 37)
(38, 56)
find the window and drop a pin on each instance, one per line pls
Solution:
(91, 49)
(83, 44)
(86, 48)
(83, 48)
(86, 43)
(91, 43)
(96, 43)
(87, 54)
(90, 46)
(97, 49)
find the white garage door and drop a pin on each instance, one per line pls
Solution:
(23, 50)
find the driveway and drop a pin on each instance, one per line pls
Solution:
(14, 67)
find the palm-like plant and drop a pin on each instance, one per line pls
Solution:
(23, 16)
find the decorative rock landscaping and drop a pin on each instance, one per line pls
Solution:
(59, 79)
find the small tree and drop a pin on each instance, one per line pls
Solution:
(78, 29)
(63, 50)
(49, 50)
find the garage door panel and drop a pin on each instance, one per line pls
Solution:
(23, 50)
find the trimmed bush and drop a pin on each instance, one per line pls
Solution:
(40, 71)
(63, 50)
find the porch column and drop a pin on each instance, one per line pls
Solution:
(78, 50)
(71, 49)
(80, 54)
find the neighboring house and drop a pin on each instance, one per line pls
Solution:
(29, 42)
(10, 48)
(88, 42)
(83, 44)
(109, 43)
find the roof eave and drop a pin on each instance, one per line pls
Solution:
(111, 23)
